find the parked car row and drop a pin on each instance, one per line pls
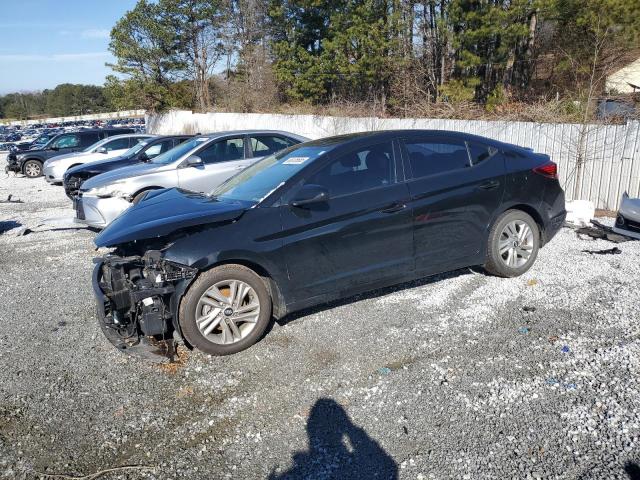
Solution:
(216, 235)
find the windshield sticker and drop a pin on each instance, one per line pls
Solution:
(295, 160)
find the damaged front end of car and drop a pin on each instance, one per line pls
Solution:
(137, 309)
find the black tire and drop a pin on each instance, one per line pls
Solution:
(496, 264)
(189, 303)
(32, 168)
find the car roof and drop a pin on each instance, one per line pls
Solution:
(127, 135)
(360, 137)
(250, 132)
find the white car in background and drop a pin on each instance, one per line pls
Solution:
(55, 167)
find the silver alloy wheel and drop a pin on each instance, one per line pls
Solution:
(516, 244)
(227, 312)
(32, 170)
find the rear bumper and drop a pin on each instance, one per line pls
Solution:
(98, 212)
(554, 226)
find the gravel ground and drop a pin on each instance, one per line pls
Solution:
(458, 376)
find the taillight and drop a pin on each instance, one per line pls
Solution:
(549, 170)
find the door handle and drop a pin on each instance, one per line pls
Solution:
(490, 185)
(394, 207)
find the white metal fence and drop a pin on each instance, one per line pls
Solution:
(596, 162)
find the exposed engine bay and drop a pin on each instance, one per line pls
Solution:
(138, 315)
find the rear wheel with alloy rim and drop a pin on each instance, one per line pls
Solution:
(226, 310)
(513, 244)
(32, 168)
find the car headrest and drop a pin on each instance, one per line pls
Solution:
(376, 160)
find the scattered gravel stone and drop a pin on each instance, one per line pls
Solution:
(461, 392)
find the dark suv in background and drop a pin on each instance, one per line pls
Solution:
(30, 162)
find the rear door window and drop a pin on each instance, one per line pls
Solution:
(264, 145)
(226, 150)
(434, 156)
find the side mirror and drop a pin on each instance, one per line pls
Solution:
(54, 147)
(194, 161)
(101, 150)
(309, 195)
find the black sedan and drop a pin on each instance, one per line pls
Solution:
(318, 221)
(142, 152)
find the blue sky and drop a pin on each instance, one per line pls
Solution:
(47, 42)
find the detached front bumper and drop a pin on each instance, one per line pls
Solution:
(98, 212)
(132, 299)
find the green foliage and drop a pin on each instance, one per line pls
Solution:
(65, 100)
(327, 48)
(146, 47)
(458, 91)
(496, 98)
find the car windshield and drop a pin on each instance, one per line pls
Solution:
(256, 182)
(175, 153)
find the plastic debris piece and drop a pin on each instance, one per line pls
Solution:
(523, 330)
(608, 251)
(384, 371)
(565, 349)
(526, 308)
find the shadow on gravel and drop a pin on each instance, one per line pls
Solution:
(372, 294)
(633, 470)
(338, 449)
(7, 225)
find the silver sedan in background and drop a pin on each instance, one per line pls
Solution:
(198, 165)
(55, 167)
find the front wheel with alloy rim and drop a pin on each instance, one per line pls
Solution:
(226, 310)
(32, 168)
(513, 244)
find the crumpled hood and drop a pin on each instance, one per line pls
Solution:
(102, 165)
(123, 173)
(162, 212)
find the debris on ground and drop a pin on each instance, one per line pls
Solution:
(10, 199)
(599, 231)
(608, 251)
(523, 330)
(527, 308)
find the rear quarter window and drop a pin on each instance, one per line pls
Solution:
(479, 152)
